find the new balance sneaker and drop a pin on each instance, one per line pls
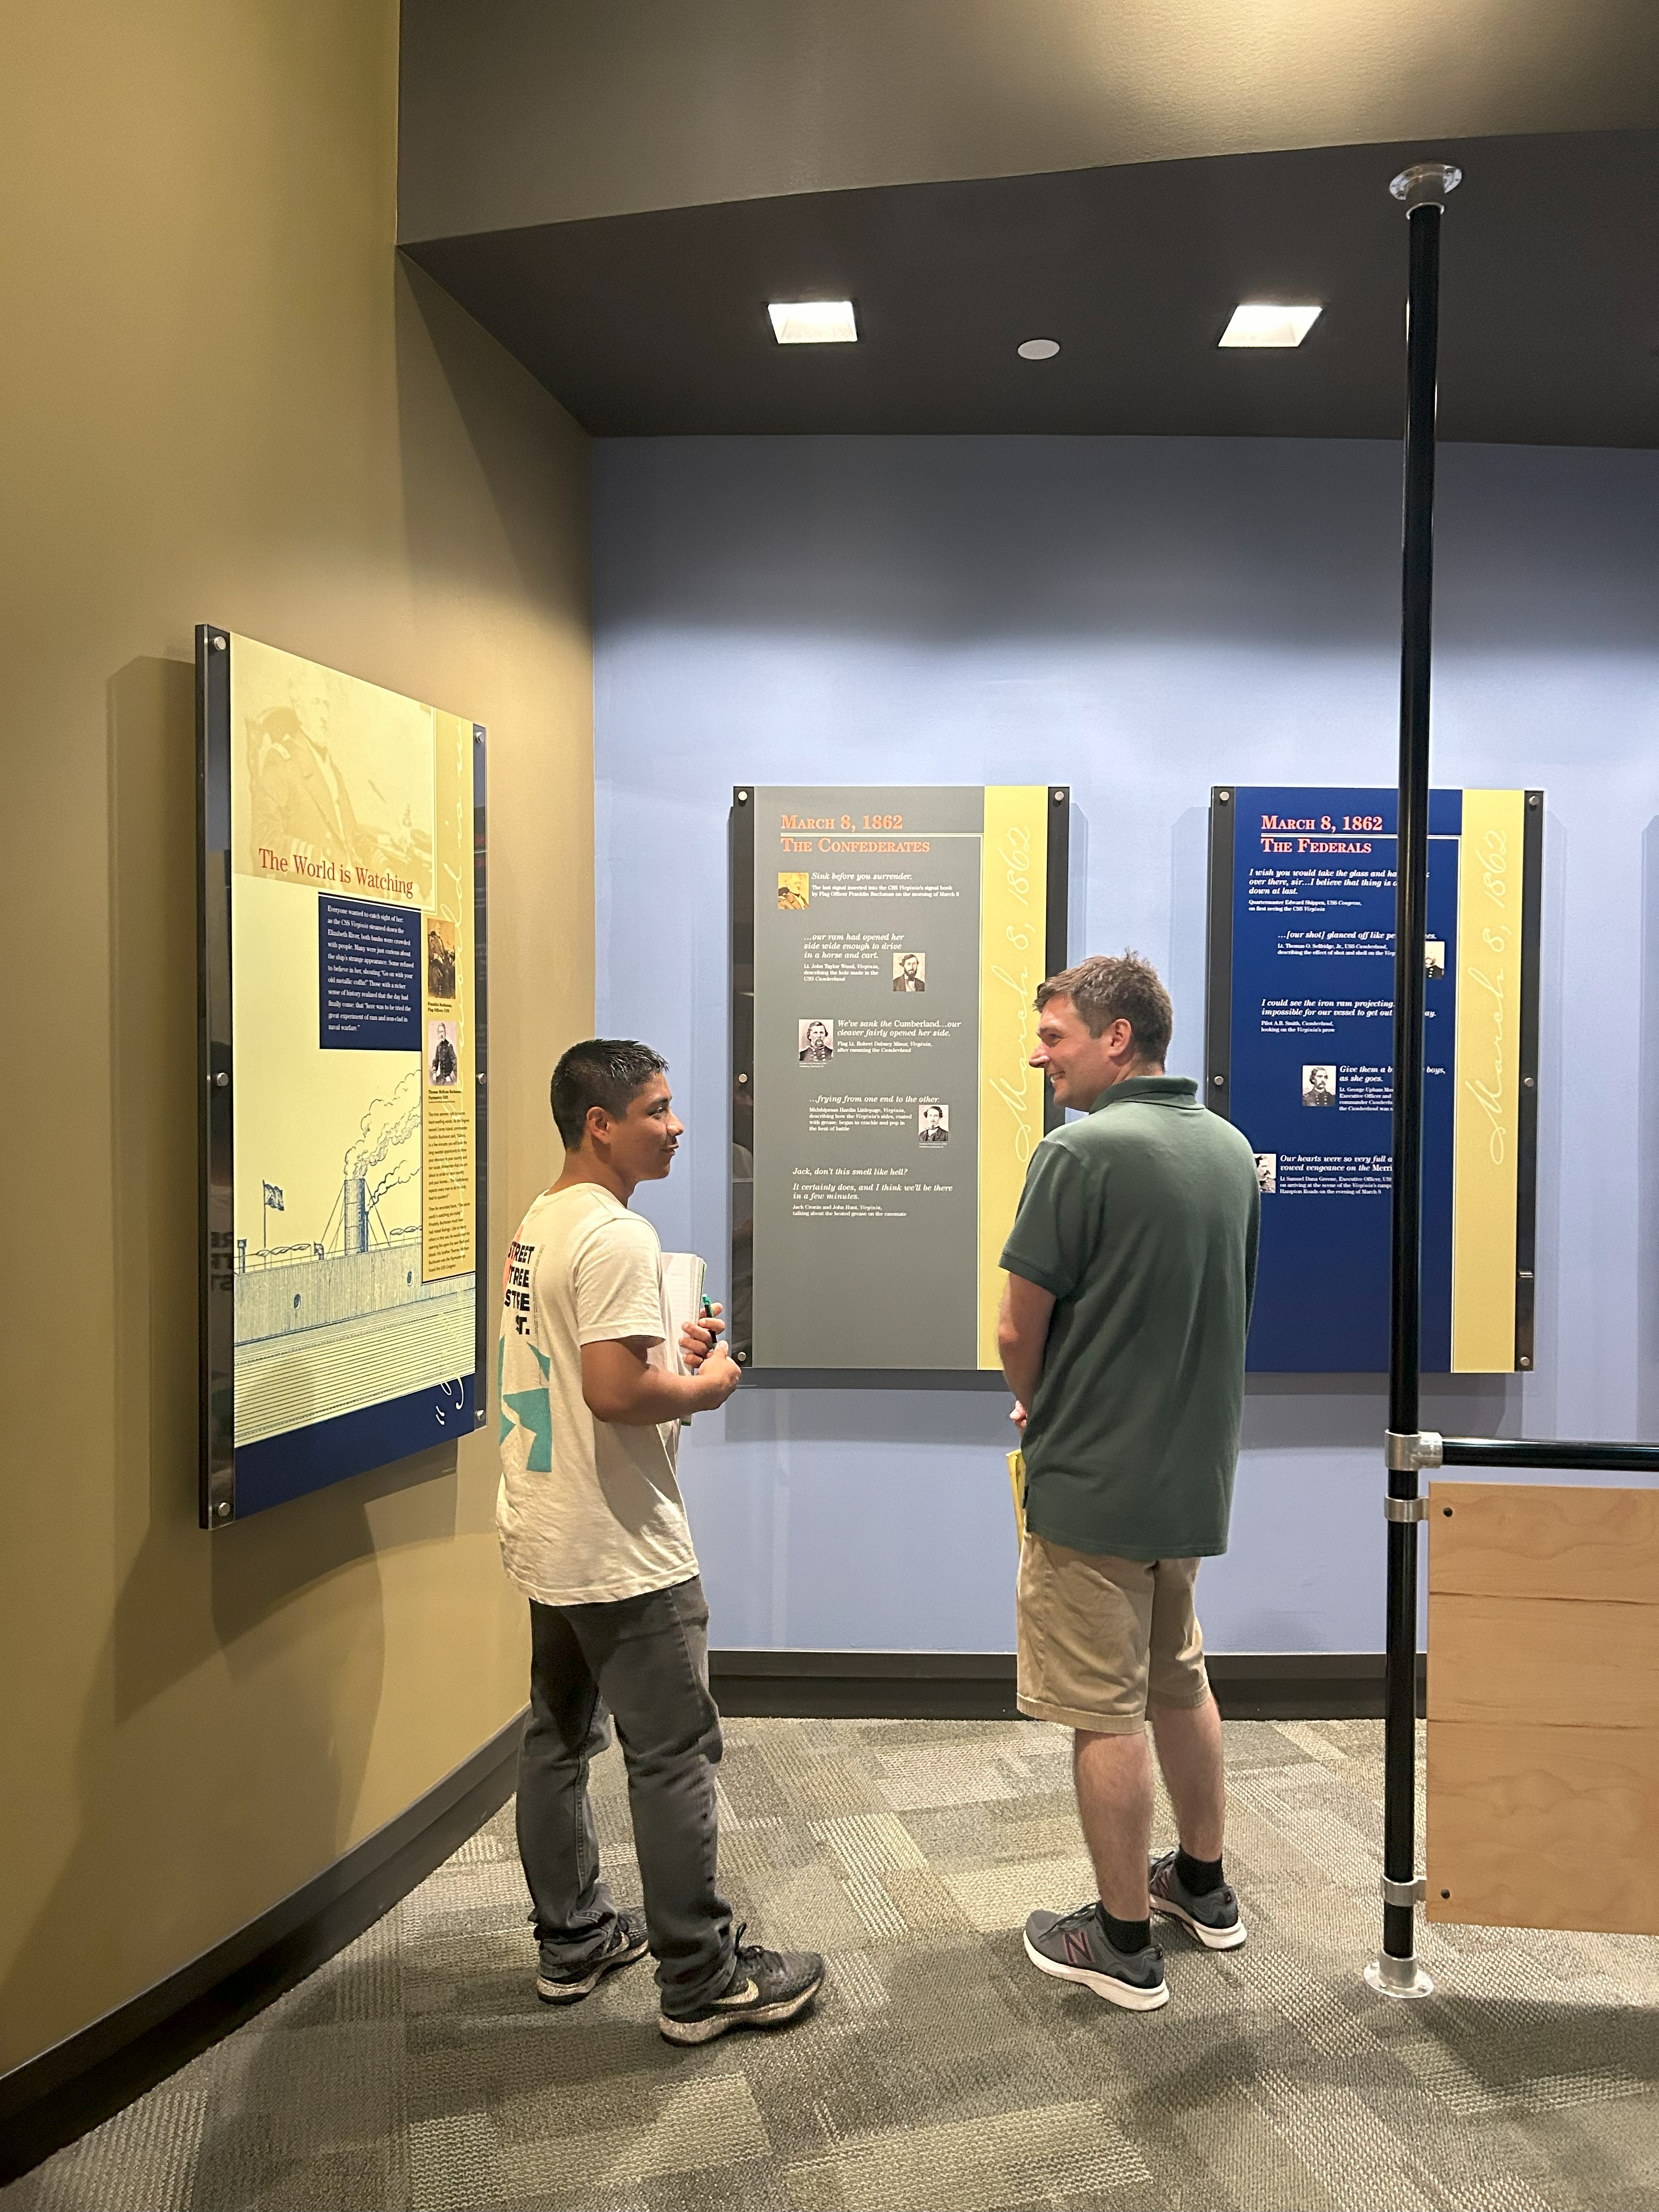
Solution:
(563, 1985)
(767, 1989)
(1074, 1947)
(1213, 1917)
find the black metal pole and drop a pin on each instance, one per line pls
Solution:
(1563, 1451)
(1422, 190)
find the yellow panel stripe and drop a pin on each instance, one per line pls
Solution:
(1013, 911)
(1487, 1115)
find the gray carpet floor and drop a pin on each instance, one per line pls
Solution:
(940, 2070)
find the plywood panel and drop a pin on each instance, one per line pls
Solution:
(1525, 1540)
(1551, 1661)
(1533, 1826)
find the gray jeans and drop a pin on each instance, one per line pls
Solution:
(646, 1660)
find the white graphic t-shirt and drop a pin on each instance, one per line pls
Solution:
(588, 1511)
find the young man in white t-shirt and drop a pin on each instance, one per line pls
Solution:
(593, 1532)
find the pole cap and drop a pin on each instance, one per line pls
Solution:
(1426, 184)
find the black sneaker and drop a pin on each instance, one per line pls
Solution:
(767, 1989)
(555, 1985)
(1074, 1947)
(1214, 1918)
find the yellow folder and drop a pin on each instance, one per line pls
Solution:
(1017, 1479)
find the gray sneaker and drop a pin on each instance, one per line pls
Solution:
(767, 1989)
(564, 1985)
(1213, 1918)
(1073, 1947)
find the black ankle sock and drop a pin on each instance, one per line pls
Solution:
(1198, 1876)
(1130, 1936)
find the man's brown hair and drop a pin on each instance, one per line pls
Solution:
(1122, 987)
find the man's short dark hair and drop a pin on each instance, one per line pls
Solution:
(608, 1071)
(1117, 987)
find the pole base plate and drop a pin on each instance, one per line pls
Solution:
(1397, 1977)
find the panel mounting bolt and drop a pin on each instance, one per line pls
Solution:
(1059, 798)
(1220, 1081)
(218, 645)
(1525, 1360)
(221, 1080)
(1222, 797)
(223, 1508)
(742, 799)
(743, 1078)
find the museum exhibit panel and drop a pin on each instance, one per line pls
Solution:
(343, 1074)
(1298, 1054)
(887, 943)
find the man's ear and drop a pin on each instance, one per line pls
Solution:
(596, 1125)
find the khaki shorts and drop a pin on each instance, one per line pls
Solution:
(1101, 1638)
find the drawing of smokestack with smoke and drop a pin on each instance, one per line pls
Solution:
(387, 1127)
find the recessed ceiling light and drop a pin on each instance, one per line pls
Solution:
(1265, 323)
(813, 322)
(1039, 349)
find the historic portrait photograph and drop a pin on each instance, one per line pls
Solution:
(1319, 1086)
(933, 1123)
(443, 1066)
(909, 971)
(816, 1042)
(439, 957)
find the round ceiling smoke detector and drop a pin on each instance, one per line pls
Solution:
(1039, 349)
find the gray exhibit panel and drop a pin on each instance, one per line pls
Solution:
(859, 961)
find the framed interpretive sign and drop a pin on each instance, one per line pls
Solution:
(887, 942)
(341, 1024)
(1300, 1056)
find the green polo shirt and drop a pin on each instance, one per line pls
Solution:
(1142, 1219)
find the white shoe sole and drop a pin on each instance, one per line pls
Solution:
(555, 1993)
(721, 2023)
(1104, 1985)
(1213, 1939)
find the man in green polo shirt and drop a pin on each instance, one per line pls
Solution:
(1130, 1267)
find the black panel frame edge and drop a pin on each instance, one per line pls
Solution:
(486, 1319)
(1217, 1082)
(1057, 931)
(215, 1078)
(1526, 1139)
(80, 2082)
(740, 881)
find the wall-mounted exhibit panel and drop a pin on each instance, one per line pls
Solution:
(1299, 1054)
(342, 1069)
(887, 941)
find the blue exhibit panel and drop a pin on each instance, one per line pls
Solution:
(1310, 1067)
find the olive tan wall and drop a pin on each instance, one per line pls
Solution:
(222, 397)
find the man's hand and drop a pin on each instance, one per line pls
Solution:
(1023, 1338)
(717, 1376)
(1018, 1417)
(697, 1336)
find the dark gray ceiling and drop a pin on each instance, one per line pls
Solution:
(655, 323)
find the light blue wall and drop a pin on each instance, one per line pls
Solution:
(1140, 618)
